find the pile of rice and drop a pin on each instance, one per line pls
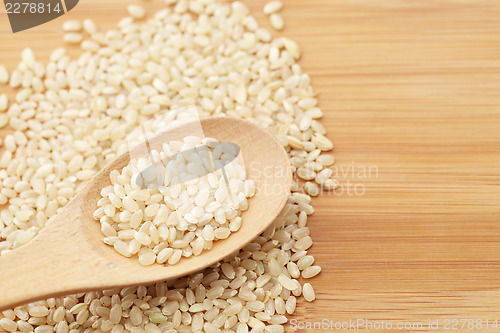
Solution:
(71, 117)
(175, 203)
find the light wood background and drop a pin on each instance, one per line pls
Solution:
(411, 92)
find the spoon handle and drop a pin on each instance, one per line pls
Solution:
(49, 265)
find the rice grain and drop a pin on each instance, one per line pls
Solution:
(89, 26)
(272, 7)
(72, 26)
(330, 184)
(136, 11)
(277, 21)
(72, 38)
(308, 292)
(311, 271)
(4, 75)
(4, 102)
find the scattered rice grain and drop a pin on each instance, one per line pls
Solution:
(136, 11)
(308, 292)
(72, 26)
(272, 7)
(4, 75)
(330, 184)
(277, 21)
(72, 38)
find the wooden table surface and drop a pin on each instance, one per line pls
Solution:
(411, 95)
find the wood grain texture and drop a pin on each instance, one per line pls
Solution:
(411, 88)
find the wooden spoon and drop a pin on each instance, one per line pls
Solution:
(68, 256)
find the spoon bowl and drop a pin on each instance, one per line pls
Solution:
(69, 255)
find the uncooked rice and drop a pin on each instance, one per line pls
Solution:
(277, 21)
(272, 7)
(4, 75)
(77, 118)
(89, 26)
(73, 37)
(136, 11)
(176, 203)
(72, 26)
(308, 291)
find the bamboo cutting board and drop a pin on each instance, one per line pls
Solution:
(411, 95)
